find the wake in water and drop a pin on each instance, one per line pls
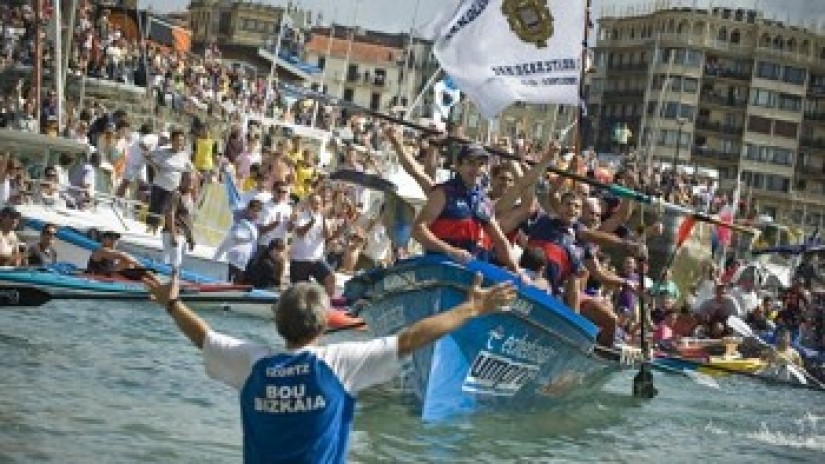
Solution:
(809, 436)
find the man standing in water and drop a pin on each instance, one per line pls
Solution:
(298, 403)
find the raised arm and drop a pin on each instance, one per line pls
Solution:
(166, 295)
(413, 168)
(480, 301)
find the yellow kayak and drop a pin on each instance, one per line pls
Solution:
(749, 365)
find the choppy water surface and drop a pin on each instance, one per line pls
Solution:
(115, 382)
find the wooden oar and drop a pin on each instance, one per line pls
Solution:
(614, 189)
(22, 295)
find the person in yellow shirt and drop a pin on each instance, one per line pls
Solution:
(204, 150)
(305, 174)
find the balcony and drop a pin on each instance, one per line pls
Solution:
(815, 117)
(816, 90)
(629, 67)
(716, 72)
(714, 126)
(623, 94)
(353, 77)
(721, 100)
(809, 142)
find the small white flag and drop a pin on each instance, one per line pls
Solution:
(446, 95)
(502, 51)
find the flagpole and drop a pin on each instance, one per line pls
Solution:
(420, 95)
(326, 66)
(582, 73)
(349, 48)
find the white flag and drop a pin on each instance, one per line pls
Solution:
(502, 51)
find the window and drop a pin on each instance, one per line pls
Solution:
(375, 101)
(794, 75)
(690, 85)
(782, 156)
(759, 124)
(785, 129)
(349, 94)
(790, 102)
(762, 97)
(765, 70)
(322, 62)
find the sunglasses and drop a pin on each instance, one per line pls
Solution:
(50, 232)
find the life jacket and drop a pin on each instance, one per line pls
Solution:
(461, 222)
(558, 241)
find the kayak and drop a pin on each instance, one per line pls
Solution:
(228, 297)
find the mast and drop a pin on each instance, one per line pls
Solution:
(583, 64)
(326, 66)
(38, 60)
(57, 72)
(349, 49)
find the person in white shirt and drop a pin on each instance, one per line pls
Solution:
(169, 165)
(307, 251)
(272, 226)
(140, 146)
(240, 243)
(327, 377)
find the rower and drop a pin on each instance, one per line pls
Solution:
(107, 260)
(458, 220)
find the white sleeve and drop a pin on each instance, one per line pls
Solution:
(360, 365)
(230, 360)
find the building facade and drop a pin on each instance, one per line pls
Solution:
(247, 33)
(376, 70)
(720, 88)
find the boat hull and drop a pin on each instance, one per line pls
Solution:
(537, 354)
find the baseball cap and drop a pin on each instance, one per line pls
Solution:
(472, 151)
(111, 234)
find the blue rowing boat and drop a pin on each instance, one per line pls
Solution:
(533, 355)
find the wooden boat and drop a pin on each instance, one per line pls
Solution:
(536, 354)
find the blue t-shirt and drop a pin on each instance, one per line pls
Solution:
(298, 406)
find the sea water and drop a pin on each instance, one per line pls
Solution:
(84, 382)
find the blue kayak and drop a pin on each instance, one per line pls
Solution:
(50, 280)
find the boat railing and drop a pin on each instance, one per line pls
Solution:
(133, 209)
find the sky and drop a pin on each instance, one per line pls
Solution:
(401, 15)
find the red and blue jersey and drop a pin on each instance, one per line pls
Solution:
(558, 241)
(466, 212)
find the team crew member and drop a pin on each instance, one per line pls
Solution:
(297, 404)
(107, 260)
(458, 220)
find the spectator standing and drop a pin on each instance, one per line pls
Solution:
(169, 165)
(307, 251)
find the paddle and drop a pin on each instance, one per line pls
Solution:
(742, 328)
(19, 296)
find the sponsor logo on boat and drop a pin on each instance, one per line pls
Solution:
(492, 374)
(519, 347)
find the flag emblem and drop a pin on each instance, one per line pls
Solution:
(530, 20)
